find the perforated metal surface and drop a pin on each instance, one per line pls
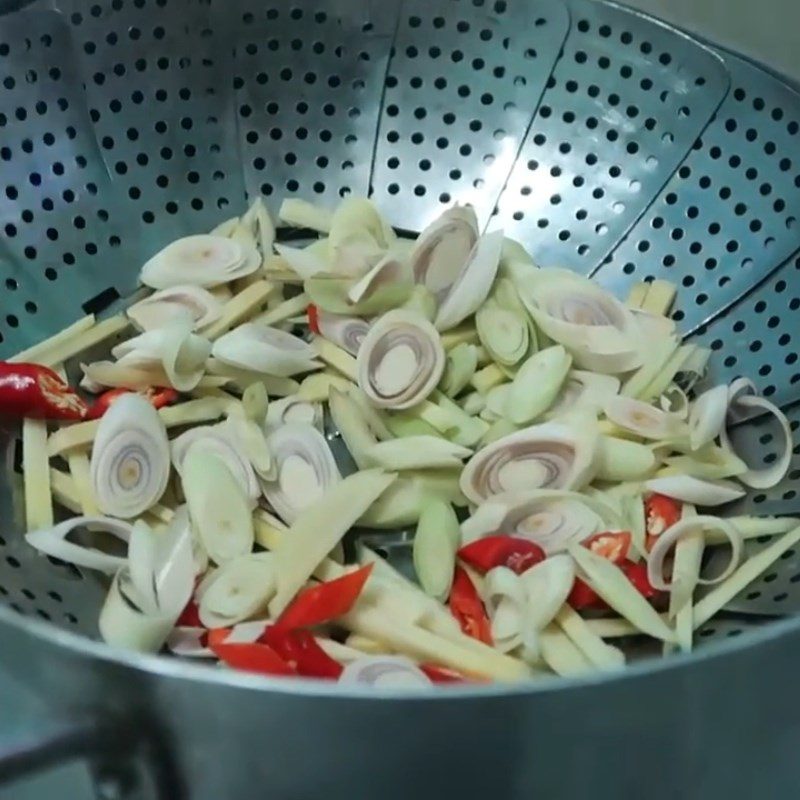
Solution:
(127, 123)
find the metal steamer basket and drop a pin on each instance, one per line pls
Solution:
(602, 139)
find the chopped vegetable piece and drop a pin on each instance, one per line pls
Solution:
(660, 512)
(435, 546)
(37, 392)
(250, 657)
(300, 650)
(517, 554)
(313, 319)
(614, 546)
(467, 608)
(36, 471)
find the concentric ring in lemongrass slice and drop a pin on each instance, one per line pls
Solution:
(198, 306)
(537, 384)
(130, 462)
(346, 332)
(644, 420)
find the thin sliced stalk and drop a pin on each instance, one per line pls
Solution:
(462, 361)
(351, 425)
(497, 430)
(463, 334)
(193, 412)
(473, 403)
(537, 384)
(239, 308)
(487, 378)
(422, 301)
(302, 214)
(36, 472)
(622, 460)
(316, 388)
(596, 651)
(637, 295)
(685, 577)
(430, 414)
(754, 527)
(561, 654)
(372, 416)
(666, 375)
(363, 644)
(285, 310)
(723, 593)
(42, 350)
(418, 452)
(658, 356)
(403, 424)
(659, 298)
(225, 228)
(337, 358)
(468, 430)
(614, 628)
(435, 545)
(242, 378)
(79, 470)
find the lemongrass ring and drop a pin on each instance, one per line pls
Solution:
(130, 459)
(707, 416)
(505, 599)
(385, 672)
(667, 540)
(346, 332)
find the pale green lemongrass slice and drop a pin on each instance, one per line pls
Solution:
(317, 387)
(484, 380)
(352, 426)
(405, 424)
(537, 384)
(331, 294)
(423, 302)
(596, 651)
(685, 354)
(303, 261)
(505, 599)
(336, 357)
(435, 544)
(284, 310)
(660, 353)
(294, 409)
(465, 430)
(198, 306)
(462, 334)
(473, 403)
(707, 416)
(460, 366)
(346, 332)
(561, 654)
(644, 420)
(498, 429)
(242, 378)
(503, 332)
(418, 452)
(584, 391)
(302, 214)
(547, 586)
(390, 271)
(709, 462)
(688, 559)
(699, 492)
(255, 402)
(620, 460)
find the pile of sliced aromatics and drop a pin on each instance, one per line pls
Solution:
(544, 439)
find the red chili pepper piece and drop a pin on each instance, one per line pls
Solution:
(583, 596)
(250, 657)
(324, 602)
(190, 616)
(660, 512)
(157, 395)
(612, 545)
(636, 572)
(502, 551)
(301, 651)
(440, 674)
(35, 391)
(467, 608)
(313, 318)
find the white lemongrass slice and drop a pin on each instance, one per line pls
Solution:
(130, 458)
(537, 384)
(686, 527)
(464, 430)
(505, 598)
(302, 214)
(346, 332)
(197, 306)
(435, 544)
(548, 456)
(320, 527)
(217, 440)
(643, 419)
(335, 357)
(305, 469)
(496, 403)
(317, 387)
(472, 284)
(391, 269)
(284, 311)
(186, 641)
(561, 654)
(600, 332)
(553, 520)
(375, 419)
(302, 260)
(142, 565)
(242, 378)
(218, 506)
(662, 351)
(674, 401)
(125, 623)
(353, 428)
(202, 260)
(698, 492)
(400, 361)
(417, 452)
(621, 460)
(600, 654)
(709, 462)
(179, 529)
(100, 375)
(741, 403)
(238, 590)
(255, 403)
(547, 586)
(443, 248)
(386, 672)
(707, 416)
(181, 353)
(357, 218)
(586, 391)
(462, 361)
(260, 348)
(753, 527)
(53, 542)
(294, 409)
(250, 440)
(423, 301)
(473, 403)
(503, 332)
(614, 587)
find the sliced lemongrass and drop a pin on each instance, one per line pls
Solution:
(686, 566)
(336, 357)
(142, 556)
(242, 378)
(239, 308)
(688, 526)
(238, 590)
(260, 348)
(303, 261)
(284, 311)
(302, 214)
(294, 409)
(460, 366)
(200, 260)
(305, 469)
(463, 334)
(613, 586)
(364, 645)
(53, 542)
(660, 297)
(548, 456)
(547, 586)
(197, 306)
(668, 372)
(73, 341)
(484, 380)
(319, 527)
(443, 248)
(417, 452)
(496, 403)
(127, 621)
(36, 474)
(472, 284)
(696, 491)
(754, 527)
(561, 654)
(723, 593)
(505, 599)
(375, 418)
(585, 391)
(249, 439)
(473, 403)
(498, 429)
(400, 360)
(387, 672)
(217, 440)
(707, 416)
(537, 384)
(661, 351)
(613, 627)
(81, 476)
(769, 476)
(130, 458)
(108, 374)
(317, 387)
(710, 462)
(390, 270)
(401, 504)
(435, 544)
(179, 534)
(218, 506)
(633, 519)
(643, 419)
(346, 332)
(503, 332)
(553, 520)
(358, 218)
(674, 401)
(637, 294)
(423, 302)
(331, 295)
(255, 402)
(402, 425)
(694, 368)
(620, 460)
(600, 654)
(186, 641)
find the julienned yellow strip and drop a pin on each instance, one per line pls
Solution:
(316, 388)
(80, 472)
(41, 349)
(596, 651)
(561, 654)
(284, 310)
(239, 308)
(191, 413)
(89, 338)
(637, 295)
(337, 358)
(36, 472)
(659, 298)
